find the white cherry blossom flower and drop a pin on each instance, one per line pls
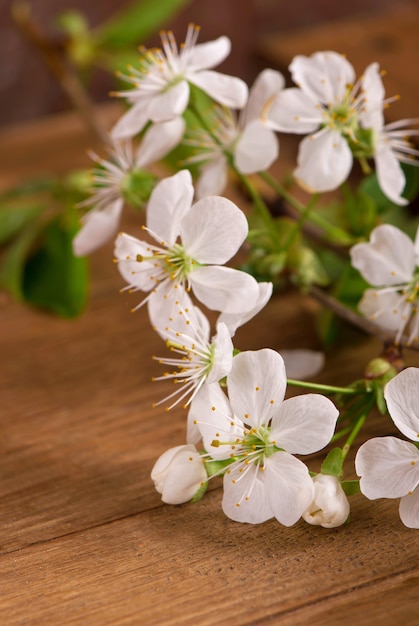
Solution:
(260, 433)
(193, 243)
(389, 142)
(344, 118)
(326, 104)
(389, 262)
(388, 466)
(178, 474)
(112, 178)
(330, 507)
(161, 86)
(195, 359)
(246, 139)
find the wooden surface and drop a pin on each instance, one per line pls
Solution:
(84, 536)
(390, 38)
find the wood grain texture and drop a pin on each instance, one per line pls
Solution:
(84, 536)
(389, 38)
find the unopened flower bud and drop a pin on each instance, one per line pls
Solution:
(178, 474)
(330, 506)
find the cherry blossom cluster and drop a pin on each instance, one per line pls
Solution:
(239, 425)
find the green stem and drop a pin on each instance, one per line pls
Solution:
(299, 223)
(257, 201)
(335, 233)
(357, 427)
(325, 388)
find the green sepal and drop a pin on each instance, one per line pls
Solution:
(201, 491)
(137, 187)
(217, 467)
(350, 487)
(333, 463)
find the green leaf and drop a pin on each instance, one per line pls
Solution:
(13, 219)
(333, 463)
(136, 23)
(53, 278)
(14, 258)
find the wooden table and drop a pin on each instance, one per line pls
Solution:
(84, 536)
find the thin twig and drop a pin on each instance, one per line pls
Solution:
(357, 320)
(55, 58)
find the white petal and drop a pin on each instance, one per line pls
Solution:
(213, 415)
(170, 103)
(213, 178)
(138, 274)
(324, 161)
(294, 111)
(289, 487)
(133, 121)
(389, 311)
(324, 75)
(390, 175)
(213, 230)
(388, 467)
(402, 397)
(223, 355)
(330, 507)
(304, 424)
(178, 474)
(302, 364)
(98, 228)
(227, 90)
(256, 149)
(267, 84)
(170, 200)
(224, 288)
(371, 115)
(234, 320)
(245, 498)
(166, 311)
(158, 140)
(164, 461)
(256, 385)
(409, 509)
(387, 259)
(209, 54)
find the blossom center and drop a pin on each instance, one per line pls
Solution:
(255, 446)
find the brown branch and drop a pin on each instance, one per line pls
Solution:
(357, 320)
(55, 58)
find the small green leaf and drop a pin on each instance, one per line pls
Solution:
(13, 219)
(333, 463)
(14, 258)
(54, 279)
(201, 491)
(136, 23)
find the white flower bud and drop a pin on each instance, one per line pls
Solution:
(330, 507)
(178, 474)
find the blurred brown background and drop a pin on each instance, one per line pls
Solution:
(27, 89)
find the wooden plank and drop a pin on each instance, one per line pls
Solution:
(189, 564)
(390, 38)
(85, 537)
